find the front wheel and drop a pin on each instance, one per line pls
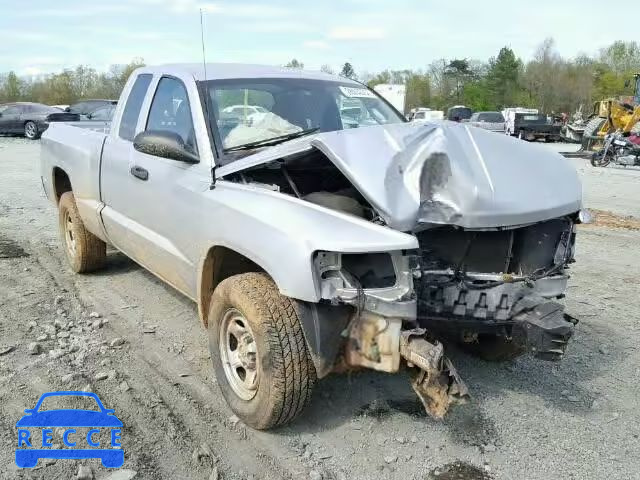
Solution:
(84, 250)
(31, 131)
(258, 350)
(600, 160)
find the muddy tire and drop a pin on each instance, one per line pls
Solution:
(493, 348)
(258, 350)
(84, 250)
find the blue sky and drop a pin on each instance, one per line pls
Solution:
(49, 35)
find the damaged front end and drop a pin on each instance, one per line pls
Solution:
(500, 283)
(494, 227)
(467, 284)
(383, 330)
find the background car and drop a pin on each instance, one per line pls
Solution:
(104, 113)
(492, 121)
(459, 113)
(85, 107)
(31, 119)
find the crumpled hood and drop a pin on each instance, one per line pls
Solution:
(444, 173)
(449, 173)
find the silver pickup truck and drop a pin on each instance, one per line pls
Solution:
(313, 242)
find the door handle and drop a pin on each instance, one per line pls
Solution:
(139, 172)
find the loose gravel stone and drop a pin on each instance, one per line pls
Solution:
(34, 348)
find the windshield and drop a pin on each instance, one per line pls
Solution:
(459, 113)
(256, 110)
(492, 117)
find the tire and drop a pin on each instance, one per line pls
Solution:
(598, 161)
(84, 250)
(274, 353)
(590, 129)
(493, 348)
(31, 131)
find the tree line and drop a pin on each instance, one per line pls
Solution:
(68, 86)
(548, 81)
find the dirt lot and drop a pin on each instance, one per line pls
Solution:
(137, 343)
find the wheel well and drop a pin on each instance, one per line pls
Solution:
(61, 183)
(219, 264)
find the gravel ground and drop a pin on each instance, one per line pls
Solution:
(137, 343)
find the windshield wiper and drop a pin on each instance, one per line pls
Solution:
(272, 141)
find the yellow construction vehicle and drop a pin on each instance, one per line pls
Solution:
(611, 115)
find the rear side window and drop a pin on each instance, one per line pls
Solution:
(131, 112)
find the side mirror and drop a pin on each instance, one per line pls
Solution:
(164, 144)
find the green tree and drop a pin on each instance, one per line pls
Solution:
(327, 69)
(418, 91)
(503, 79)
(12, 89)
(348, 71)
(460, 71)
(295, 64)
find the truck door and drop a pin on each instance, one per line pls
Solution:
(151, 211)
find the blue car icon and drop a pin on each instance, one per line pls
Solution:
(97, 421)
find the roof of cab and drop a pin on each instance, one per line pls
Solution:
(227, 71)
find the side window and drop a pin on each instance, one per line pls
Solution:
(14, 110)
(131, 112)
(170, 111)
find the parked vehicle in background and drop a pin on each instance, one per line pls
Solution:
(102, 114)
(425, 115)
(85, 107)
(492, 121)
(459, 113)
(310, 245)
(31, 119)
(509, 115)
(534, 126)
(394, 94)
(618, 149)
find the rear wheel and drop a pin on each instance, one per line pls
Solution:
(84, 250)
(600, 160)
(258, 350)
(31, 131)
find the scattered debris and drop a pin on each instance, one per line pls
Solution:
(34, 348)
(215, 475)
(124, 386)
(390, 458)
(7, 349)
(604, 218)
(116, 342)
(204, 451)
(459, 470)
(123, 474)
(101, 376)
(233, 420)
(84, 473)
(94, 315)
(315, 475)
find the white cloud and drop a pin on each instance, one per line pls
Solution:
(357, 33)
(85, 10)
(318, 44)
